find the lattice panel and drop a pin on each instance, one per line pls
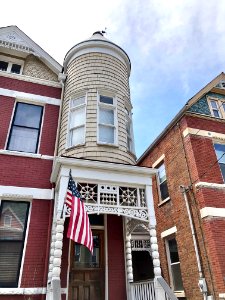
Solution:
(142, 198)
(128, 196)
(88, 191)
(140, 245)
(108, 194)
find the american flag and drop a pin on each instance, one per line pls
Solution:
(79, 229)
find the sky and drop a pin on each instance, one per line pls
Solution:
(176, 47)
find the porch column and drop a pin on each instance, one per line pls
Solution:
(128, 255)
(159, 292)
(51, 257)
(57, 242)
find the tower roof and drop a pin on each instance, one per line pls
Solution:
(97, 43)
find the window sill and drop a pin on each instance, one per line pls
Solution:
(179, 294)
(25, 154)
(107, 145)
(164, 201)
(75, 146)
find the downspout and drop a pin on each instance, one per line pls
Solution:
(62, 79)
(202, 281)
(189, 174)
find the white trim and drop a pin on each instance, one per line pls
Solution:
(102, 172)
(179, 294)
(210, 185)
(41, 129)
(24, 44)
(31, 79)
(222, 295)
(16, 192)
(10, 61)
(158, 161)
(31, 98)
(23, 291)
(164, 201)
(212, 212)
(168, 232)
(204, 133)
(26, 154)
(27, 291)
(25, 244)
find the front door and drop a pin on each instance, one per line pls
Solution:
(87, 272)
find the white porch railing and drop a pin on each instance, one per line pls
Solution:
(145, 290)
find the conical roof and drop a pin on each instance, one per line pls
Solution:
(97, 43)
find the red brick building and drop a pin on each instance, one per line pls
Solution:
(189, 195)
(52, 122)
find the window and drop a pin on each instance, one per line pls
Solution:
(77, 121)
(174, 264)
(129, 130)
(25, 130)
(11, 66)
(217, 108)
(220, 153)
(106, 120)
(163, 182)
(12, 240)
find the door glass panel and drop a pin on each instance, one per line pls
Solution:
(84, 259)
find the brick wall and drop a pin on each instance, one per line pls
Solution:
(29, 87)
(7, 105)
(181, 170)
(49, 130)
(214, 230)
(25, 171)
(116, 275)
(35, 266)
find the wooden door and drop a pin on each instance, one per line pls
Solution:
(87, 272)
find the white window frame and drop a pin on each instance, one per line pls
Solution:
(10, 61)
(72, 109)
(158, 163)
(12, 121)
(108, 107)
(167, 239)
(21, 198)
(218, 158)
(220, 103)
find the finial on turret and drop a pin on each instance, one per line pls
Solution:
(102, 32)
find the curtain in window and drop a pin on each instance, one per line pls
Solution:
(12, 236)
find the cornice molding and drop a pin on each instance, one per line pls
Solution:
(98, 166)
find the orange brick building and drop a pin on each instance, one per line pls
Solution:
(189, 195)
